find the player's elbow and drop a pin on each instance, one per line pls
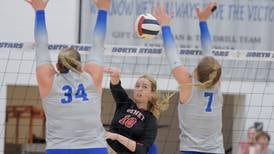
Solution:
(141, 148)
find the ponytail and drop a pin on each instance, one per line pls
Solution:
(209, 83)
(69, 59)
(208, 73)
(161, 105)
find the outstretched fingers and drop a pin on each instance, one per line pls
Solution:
(38, 4)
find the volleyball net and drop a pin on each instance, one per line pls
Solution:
(247, 84)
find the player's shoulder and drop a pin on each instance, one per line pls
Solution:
(151, 117)
(152, 120)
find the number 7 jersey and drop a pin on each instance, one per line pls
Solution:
(200, 121)
(73, 113)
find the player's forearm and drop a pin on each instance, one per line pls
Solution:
(41, 38)
(205, 39)
(97, 56)
(170, 47)
(130, 144)
(119, 94)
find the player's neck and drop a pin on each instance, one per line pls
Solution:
(142, 106)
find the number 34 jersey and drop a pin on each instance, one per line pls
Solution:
(73, 113)
(200, 121)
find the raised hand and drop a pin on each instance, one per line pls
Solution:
(102, 4)
(205, 13)
(114, 74)
(38, 4)
(160, 14)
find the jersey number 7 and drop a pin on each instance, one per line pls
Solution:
(209, 103)
(80, 94)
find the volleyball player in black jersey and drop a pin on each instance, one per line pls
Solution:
(134, 125)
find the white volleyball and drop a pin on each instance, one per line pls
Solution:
(147, 26)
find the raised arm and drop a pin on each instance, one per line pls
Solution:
(179, 72)
(203, 15)
(118, 92)
(44, 69)
(95, 59)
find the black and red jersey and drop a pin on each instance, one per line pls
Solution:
(131, 122)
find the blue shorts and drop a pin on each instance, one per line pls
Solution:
(193, 152)
(78, 151)
(153, 149)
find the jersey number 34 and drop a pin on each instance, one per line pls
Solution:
(68, 91)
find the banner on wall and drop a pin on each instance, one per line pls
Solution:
(245, 24)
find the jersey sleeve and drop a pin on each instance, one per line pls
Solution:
(97, 54)
(205, 39)
(148, 137)
(41, 39)
(119, 94)
(170, 47)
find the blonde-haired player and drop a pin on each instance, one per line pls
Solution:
(201, 100)
(134, 125)
(72, 97)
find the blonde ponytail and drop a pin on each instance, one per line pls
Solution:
(208, 73)
(69, 59)
(209, 83)
(161, 104)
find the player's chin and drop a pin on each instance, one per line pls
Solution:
(138, 99)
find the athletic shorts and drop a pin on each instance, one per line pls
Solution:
(78, 151)
(193, 152)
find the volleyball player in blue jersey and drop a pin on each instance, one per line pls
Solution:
(71, 97)
(201, 100)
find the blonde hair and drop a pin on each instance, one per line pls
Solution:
(208, 73)
(155, 104)
(263, 134)
(69, 59)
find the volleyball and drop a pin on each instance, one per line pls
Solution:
(147, 26)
